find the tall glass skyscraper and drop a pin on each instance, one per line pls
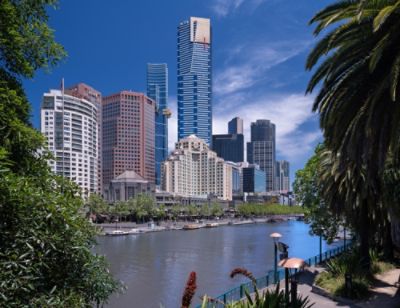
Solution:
(194, 74)
(157, 89)
(261, 150)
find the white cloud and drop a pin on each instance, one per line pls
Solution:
(248, 64)
(225, 7)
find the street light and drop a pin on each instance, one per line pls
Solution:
(320, 244)
(276, 236)
(291, 263)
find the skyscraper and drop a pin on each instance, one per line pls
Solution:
(194, 92)
(235, 126)
(86, 92)
(128, 136)
(70, 126)
(261, 150)
(230, 146)
(282, 176)
(157, 89)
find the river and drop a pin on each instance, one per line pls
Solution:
(155, 266)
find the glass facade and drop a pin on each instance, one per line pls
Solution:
(229, 147)
(261, 150)
(157, 89)
(253, 180)
(235, 126)
(194, 92)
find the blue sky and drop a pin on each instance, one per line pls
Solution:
(259, 52)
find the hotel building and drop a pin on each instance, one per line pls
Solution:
(194, 170)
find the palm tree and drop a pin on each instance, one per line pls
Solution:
(358, 101)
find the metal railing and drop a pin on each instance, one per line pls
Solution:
(238, 293)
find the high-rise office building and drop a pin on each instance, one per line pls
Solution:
(261, 150)
(88, 93)
(70, 126)
(235, 126)
(282, 176)
(229, 146)
(253, 179)
(157, 89)
(194, 92)
(194, 170)
(128, 136)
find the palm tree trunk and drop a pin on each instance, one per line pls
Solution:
(364, 236)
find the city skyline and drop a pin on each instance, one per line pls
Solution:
(274, 69)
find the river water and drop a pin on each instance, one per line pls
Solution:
(155, 266)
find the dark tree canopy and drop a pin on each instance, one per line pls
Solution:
(45, 243)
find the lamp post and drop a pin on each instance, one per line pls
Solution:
(291, 263)
(276, 237)
(320, 244)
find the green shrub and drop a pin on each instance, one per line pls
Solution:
(333, 280)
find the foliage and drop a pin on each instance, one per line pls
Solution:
(308, 192)
(268, 299)
(26, 41)
(216, 210)
(333, 280)
(357, 64)
(45, 256)
(336, 285)
(250, 209)
(96, 205)
(190, 290)
(359, 74)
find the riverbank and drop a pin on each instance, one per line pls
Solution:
(187, 225)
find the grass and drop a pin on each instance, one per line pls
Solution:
(333, 280)
(336, 285)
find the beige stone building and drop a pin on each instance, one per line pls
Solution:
(193, 169)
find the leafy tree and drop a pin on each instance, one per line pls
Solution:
(160, 212)
(45, 256)
(175, 211)
(96, 205)
(307, 188)
(216, 209)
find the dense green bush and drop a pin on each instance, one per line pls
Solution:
(250, 209)
(333, 280)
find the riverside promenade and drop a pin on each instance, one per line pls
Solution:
(178, 225)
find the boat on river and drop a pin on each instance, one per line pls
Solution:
(191, 227)
(212, 225)
(122, 232)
